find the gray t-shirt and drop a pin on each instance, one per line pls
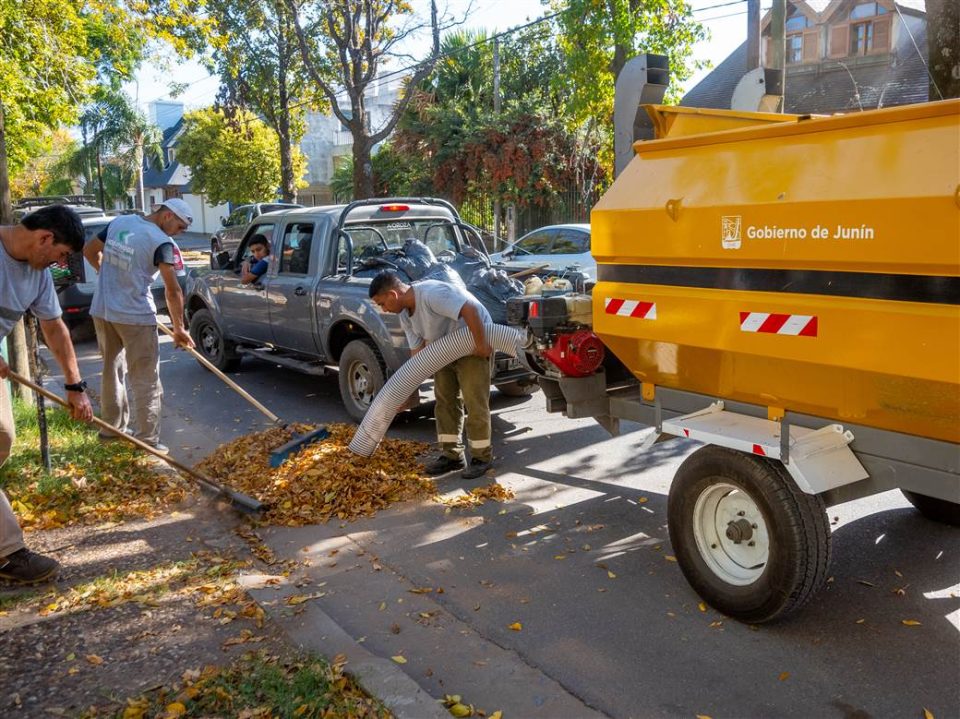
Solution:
(23, 288)
(128, 268)
(437, 312)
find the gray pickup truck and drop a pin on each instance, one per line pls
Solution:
(310, 311)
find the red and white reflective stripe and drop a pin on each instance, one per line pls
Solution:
(777, 324)
(630, 308)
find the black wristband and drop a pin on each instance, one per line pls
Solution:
(78, 387)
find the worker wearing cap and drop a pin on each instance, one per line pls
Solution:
(125, 315)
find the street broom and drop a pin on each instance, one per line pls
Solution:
(278, 455)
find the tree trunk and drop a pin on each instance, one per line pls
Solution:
(362, 165)
(6, 209)
(288, 188)
(19, 355)
(943, 43)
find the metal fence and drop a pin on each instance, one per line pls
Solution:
(568, 206)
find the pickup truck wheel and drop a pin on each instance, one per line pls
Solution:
(211, 343)
(518, 389)
(362, 375)
(939, 510)
(747, 539)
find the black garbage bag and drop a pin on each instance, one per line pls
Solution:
(493, 288)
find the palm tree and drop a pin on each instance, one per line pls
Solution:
(112, 125)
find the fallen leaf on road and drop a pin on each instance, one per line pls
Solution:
(399, 659)
(927, 714)
(175, 709)
(784, 676)
(611, 575)
(669, 557)
(461, 710)
(702, 606)
(516, 626)
(94, 659)
(496, 715)
(910, 622)
(421, 590)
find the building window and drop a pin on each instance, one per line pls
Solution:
(861, 38)
(866, 9)
(795, 49)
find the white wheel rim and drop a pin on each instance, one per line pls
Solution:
(361, 383)
(731, 534)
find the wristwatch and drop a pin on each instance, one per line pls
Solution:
(77, 387)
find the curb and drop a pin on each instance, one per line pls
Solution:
(320, 634)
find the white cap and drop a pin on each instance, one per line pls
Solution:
(180, 208)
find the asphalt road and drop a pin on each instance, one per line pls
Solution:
(625, 639)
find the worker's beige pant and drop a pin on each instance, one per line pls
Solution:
(131, 356)
(11, 536)
(464, 383)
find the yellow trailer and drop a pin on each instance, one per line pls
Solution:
(785, 289)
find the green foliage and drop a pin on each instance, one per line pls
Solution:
(232, 160)
(394, 173)
(527, 154)
(599, 36)
(253, 48)
(44, 67)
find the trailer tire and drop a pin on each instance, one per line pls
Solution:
(210, 342)
(362, 374)
(939, 510)
(720, 501)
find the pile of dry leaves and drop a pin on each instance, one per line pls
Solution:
(322, 481)
(111, 490)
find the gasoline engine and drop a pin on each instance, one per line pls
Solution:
(560, 338)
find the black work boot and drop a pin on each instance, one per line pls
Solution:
(476, 468)
(442, 465)
(28, 567)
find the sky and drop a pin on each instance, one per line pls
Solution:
(724, 19)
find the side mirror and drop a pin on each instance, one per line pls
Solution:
(220, 261)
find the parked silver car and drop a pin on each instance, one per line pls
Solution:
(560, 247)
(235, 224)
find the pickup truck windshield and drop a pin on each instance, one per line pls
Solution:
(373, 239)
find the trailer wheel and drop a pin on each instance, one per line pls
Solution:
(746, 538)
(362, 375)
(211, 343)
(939, 510)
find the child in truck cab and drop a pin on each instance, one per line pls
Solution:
(260, 249)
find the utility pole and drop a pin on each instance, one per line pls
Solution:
(497, 244)
(778, 44)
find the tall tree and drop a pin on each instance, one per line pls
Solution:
(233, 159)
(943, 43)
(344, 45)
(44, 69)
(599, 36)
(255, 53)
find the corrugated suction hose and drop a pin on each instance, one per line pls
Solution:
(415, 371)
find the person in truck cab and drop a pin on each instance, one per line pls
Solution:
(429, 310)
(260, 249)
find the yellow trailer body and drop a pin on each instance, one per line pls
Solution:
(802, 264)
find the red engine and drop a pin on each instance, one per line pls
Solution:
(576, 354)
